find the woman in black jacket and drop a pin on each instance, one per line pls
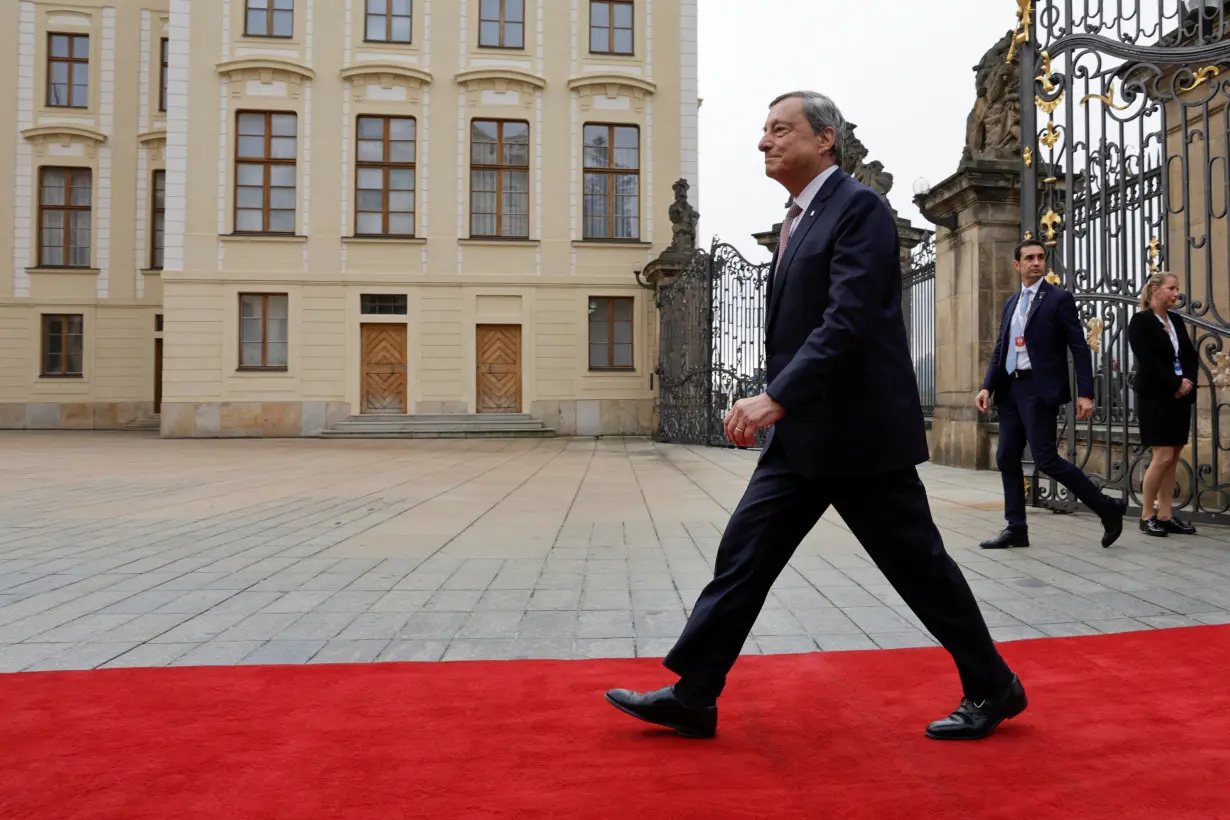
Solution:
(1166, 372)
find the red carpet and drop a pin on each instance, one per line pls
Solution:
(1129, 727)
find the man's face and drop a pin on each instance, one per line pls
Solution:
(1032, 266)
(792, 152)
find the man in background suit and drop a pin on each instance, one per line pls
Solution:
(847, 431)
(1028, 376)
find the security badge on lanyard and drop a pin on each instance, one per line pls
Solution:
(1170, 331)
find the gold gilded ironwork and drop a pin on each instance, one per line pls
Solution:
(1048, 87)
(1154, 253)
(1052, 277)
(1029, 234)
(1024, 11)
(1051, 137)
(1050, 220)
(1048, 106)
(1108, 98)
(1201, 76)
(1029, 156)
(1094, 338)
(1051, 180)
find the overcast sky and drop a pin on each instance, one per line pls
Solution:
(899, 69)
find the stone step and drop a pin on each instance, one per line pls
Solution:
(439, 425)
(443, 432)
(148, 424)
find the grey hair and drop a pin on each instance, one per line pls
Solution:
(822, 113)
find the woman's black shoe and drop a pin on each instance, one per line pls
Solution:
(1152, 526)
(1176, 526)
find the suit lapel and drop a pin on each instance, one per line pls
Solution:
(1043, 290)
(805, 222)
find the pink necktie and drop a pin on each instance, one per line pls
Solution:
(783, 238)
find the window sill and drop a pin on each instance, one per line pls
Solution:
(480, 48)
(499, 242)
(289, 239)
(622, 59)
(260, 39)
(394, 44)
(611, 243)
(612, 371)
(57, 377)
(384, 240)
(265, 370)
(64, 269)
(152, 272)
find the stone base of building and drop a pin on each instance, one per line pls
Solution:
(72, 415)
(961, 441)
(568, 417)
(596, 417)
(277, 419)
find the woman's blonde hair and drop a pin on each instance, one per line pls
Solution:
(1154, 282)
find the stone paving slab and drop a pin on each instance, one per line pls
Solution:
(128, 550)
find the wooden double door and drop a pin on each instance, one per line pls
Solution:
(498, 377)
(498, 357)
(384, 369)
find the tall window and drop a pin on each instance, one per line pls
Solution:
(610, 333)
(499, 178)
(68, 70)
(610, 27)
(612, 182)
(163, 65)
(158, 245)
(262, 331)
(64, 197)
(270, 18)
(63, 346)
(265, 172)
(388, 21)
(385, 178)
(501, 23)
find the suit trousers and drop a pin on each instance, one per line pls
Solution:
(1025, 418)
(890, 516)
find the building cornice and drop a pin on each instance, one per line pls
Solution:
(387, 76)
(65, 135)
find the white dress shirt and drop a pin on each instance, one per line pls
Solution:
(803, 200)
(1018, 325)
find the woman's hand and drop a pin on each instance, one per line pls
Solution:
(1184, 389)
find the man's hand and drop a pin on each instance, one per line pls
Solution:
(748, 416)
(983, 401)
(1084, 408)
(1184, 389)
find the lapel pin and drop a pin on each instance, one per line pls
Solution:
(813, 213)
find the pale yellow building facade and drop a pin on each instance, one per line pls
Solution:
(261, 217)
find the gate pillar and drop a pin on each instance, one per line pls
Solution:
(977, 213)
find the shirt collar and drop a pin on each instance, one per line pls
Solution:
(1033, 289)
(803, 200)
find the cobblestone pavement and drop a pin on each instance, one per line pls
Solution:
(128, 550)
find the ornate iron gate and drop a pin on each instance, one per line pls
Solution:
(711, 344)
(1124, 127)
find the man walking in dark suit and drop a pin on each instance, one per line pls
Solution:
(1028, 376)
(847, 432)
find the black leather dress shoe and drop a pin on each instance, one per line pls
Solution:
(1007, 538)
(1113, 524)
(1151, 526)
(1176, 526)
(663, 708)
(975, 720)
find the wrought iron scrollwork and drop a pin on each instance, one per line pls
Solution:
(712, 344)
(1128, 130)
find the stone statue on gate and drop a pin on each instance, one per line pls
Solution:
(871, 174)
(993, 128)
(684, 220)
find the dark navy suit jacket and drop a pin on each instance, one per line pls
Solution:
(838, 358)
(1053, 328)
